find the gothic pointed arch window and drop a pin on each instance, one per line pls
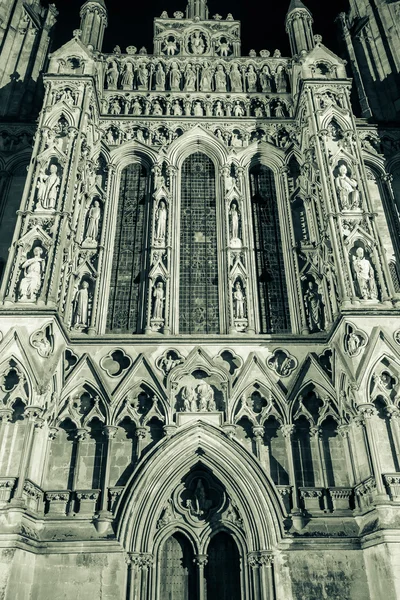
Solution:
(198, 297)
(271, 283)
(127, 286)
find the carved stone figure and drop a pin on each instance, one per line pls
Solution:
(197, 43)
(220, 79)
(92, 229)
(136, 108)
(265, 79)
(198, 109)
(127, 76)
(175, 77)
(279, 109)
(161, 221)
(81, 306)
(354, 343)
(251, 77)
(190, 79)
(348, 194)
(238, 110)
(48, 186)
(41, 343)
(170, 46)
(157, 110)
(314, 310)
(281, 80)
(236, 79)
(143, 77)
(206, 78)
(160, 78)
(32, 280)
(159, 298)
(239, 301)
(219, 111)
(206, 397)
(222, 47)
(364, 276)
(234, 219)
(177, 109)
(112, 75)
(189, 398)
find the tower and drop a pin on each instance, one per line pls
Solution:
(299, 27)
(199, 324)
(93, 23)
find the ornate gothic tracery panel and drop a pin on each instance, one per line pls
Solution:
(127, 279)
(272, 293)
(198, 298)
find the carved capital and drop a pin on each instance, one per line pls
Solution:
(200, 560)
(287, 430)
(367, 411)
(110, 431)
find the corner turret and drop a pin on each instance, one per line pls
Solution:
(299, 27)
(93, 23)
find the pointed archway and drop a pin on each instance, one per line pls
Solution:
(198, 483)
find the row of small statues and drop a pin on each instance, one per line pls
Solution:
(178, 107)
(192, 78)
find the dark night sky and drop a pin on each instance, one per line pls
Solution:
(131, 22)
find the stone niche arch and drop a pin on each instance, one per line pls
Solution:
(148, 512)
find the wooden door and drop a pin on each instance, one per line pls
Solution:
(177, 570)
(223, 569)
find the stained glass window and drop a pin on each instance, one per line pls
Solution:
(272, 292)
(198, 296)
(127, 269)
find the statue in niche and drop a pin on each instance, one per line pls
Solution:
(364, 276)
(239, 301)
(143, 77)
(197, 43)
(234, 220)
(281, 80)
(42, 344)
(219, 111)
(175, 77)
(81, 306)
(48, 186)
(92, 229)
(177, 109)
(112, 75)
(189, 398)
(251, 77)
(236, 79)
(258, 111)
(159, 298)
(346, 187)
(220, 79)
(190, 79)
(157, 110)
(199, 505)
(354, 343)
(206, 397)
(32, 279)
(170, 46)
(222, 47)
(280, 109)
(161, 221)
(127, 76)
(66, 96)
(136, 108)
(115, 107)
(206, 77)
(160, 78)
(265, 79)
(198, 109)
(314, 309)
(238, 110)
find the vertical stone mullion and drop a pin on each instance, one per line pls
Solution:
(33, 415)
(287, 432)
(368, 414)
(201, 561)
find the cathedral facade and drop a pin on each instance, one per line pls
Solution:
(199, 310)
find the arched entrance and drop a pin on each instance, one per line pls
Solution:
(222, 573)
(177, 569)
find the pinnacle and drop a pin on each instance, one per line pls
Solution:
(296, 4)
(101, 2)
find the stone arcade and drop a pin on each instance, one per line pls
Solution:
(199, 310)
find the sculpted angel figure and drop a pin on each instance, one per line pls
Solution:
(222, 47)
(170, 46)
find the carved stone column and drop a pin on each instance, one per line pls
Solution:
(105, 515)
(393, 414)
(141, 433)
(343, 431)
(33, 413)
(258, 432)
(139, 569)
(201, 560)
(262, 575)
(287, 432)
(368, 414)
(80, 437)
